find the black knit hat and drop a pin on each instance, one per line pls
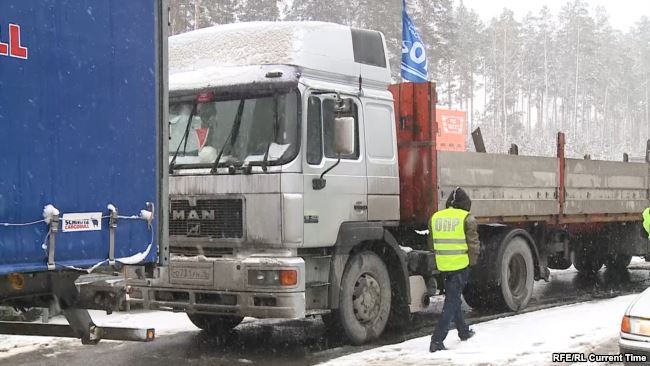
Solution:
(459, 199)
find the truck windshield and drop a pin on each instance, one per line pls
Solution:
(259, 130)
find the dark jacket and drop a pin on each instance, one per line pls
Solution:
(460, 199)
(473, 242)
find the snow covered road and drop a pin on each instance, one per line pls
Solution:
(527, 339)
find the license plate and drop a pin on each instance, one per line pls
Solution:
(191, 274)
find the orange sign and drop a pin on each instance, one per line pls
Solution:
(452, 129)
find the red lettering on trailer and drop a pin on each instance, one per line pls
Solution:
(4, 47)
(14, 48)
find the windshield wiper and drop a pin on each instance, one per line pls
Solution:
(231, 136)
(265, 162)
(186, 134)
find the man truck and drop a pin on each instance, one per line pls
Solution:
(302, 182)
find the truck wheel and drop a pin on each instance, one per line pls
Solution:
(215, 324)
(558, 262)
(365, 298)
(618, 262)
(517, 274)
(586, 259)
(478, 298)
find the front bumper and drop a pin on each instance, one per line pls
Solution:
(220, 286)
(636, 345)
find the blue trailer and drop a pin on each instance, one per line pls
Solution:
(82, 105)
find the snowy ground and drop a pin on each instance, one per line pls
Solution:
(164, 323)
(527, 339)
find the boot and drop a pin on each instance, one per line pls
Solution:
(470, 333)
(433, 346)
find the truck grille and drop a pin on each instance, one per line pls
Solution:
(200, 250)
(210, 218)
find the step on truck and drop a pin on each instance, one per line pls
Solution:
(302, 182)
(82, 100)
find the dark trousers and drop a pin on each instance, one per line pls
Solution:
(454, 284)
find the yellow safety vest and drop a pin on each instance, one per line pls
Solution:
(646, 221)
(449, 243)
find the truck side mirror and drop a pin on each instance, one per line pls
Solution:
(344, 135)
(344, 144)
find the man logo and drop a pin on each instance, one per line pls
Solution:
(193, 215)
(194, 229)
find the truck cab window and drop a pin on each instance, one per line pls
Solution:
(267, 128)
(329, 113)
(314, 134)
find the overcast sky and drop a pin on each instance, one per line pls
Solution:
(623, 13)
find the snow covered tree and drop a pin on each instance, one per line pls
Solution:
(258, 10)
(468, 44)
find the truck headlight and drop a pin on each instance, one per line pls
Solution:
(281, 277)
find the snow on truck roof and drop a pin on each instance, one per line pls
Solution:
(223, 55)
(232, 78)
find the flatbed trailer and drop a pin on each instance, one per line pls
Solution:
(568, 211)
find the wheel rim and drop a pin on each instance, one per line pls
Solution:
(516, 274)
(366, 298)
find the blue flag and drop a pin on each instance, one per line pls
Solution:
(414, 57)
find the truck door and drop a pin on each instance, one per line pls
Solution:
(345, 195)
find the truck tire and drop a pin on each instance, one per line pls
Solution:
(516, 274)
(365, 298)
(586, 259)
(558, 262)
(215, 324)
(618, 262)
(478, 297)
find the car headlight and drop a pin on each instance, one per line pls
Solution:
(634, 325)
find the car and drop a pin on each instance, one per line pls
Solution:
(635, 327)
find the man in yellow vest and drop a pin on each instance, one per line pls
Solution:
(454, 235)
